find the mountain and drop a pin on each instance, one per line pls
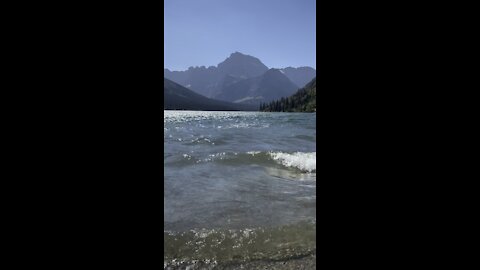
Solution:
(199, 79)
(242, 66)
(177, 97)
(300, 76)
(271, 85)
(208, 81)
(242, 79)
(305, 100)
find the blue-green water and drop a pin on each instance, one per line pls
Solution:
(239, 186)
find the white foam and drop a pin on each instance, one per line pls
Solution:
(303, 161)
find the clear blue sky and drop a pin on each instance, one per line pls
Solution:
(280, 33)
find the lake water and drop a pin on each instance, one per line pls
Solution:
(239, 187)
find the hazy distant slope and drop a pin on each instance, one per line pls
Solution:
(207, 81)
(242, 78)
(271, 85)
(177, 97)
(300, 76)
(305, 100)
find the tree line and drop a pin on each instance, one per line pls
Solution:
(302, 101)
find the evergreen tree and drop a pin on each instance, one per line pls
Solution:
(302, 101)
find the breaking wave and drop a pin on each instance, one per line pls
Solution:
(302, 161)
(299, 161)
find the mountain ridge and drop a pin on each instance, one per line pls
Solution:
(236, 79)
(177, 97)
(271, 85)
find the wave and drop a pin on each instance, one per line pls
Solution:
(220, 246)
(304, 162)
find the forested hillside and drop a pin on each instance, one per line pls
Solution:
(305, 100)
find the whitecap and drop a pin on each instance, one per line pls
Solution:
(302, 161)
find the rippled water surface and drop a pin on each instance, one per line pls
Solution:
(239, 186)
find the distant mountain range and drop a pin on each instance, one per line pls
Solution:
(271, 85)
(242, 79)
(177, 97)
(304, 100)
(300, 76)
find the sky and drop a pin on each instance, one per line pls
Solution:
(280, 33)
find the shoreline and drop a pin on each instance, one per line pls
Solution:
(306, 262)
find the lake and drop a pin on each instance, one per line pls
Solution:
(238, 187)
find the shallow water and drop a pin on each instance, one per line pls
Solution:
(239, 186)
